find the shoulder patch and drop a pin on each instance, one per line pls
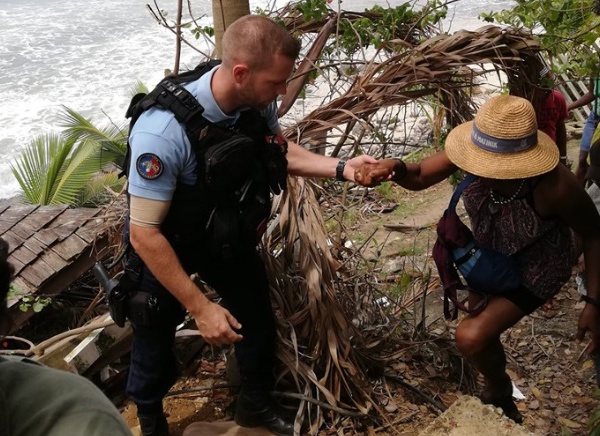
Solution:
(149, 166)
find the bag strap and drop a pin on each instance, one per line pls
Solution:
(450, 290)
(459, 190)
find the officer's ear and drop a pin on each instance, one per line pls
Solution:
(240, 72)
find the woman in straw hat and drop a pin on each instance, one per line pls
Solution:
(521, 203)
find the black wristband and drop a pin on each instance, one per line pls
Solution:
(594, 302)
(399, 170)
(339, 170)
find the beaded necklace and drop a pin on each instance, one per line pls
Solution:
(509, 199)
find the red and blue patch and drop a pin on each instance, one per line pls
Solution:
(149, 166)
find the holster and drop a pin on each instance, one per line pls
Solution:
(120, 298)
(117, 305)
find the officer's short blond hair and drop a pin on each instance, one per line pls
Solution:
(254, 40)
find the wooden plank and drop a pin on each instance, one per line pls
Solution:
(13, 214)
(99, 345)
(14, 241)
(45, 215)
(70, 247)
(574, 88)
(47, 237)
(69, 221)
(54, 260)
(54, 357)
(34, 245)
(22, 287)
(91, 229)
(23, 255)
(37, 273)
(36, 220)
(59, 282)
(17, 265)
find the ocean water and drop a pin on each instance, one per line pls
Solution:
(87, 54)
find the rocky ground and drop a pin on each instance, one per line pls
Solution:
(546, 364)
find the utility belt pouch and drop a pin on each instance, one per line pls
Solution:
(143, 309)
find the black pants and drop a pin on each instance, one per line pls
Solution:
(242, 284)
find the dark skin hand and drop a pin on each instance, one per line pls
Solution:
(559, 194)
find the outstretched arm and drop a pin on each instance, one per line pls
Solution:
(413, 176)
(586, 98)
(304, 163)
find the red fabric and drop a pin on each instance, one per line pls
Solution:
(553, 110)
(449, 235)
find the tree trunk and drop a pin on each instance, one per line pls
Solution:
(226, 12)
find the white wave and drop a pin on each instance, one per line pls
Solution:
(86, 54)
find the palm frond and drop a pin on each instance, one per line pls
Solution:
(79, 127)
(38, 167)
(87, 159)
(138, 88)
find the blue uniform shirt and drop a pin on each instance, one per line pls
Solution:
(161, 154)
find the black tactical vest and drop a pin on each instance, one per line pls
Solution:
(226, 210)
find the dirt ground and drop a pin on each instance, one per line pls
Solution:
(546, 364)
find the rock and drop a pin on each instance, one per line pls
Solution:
(468, 416)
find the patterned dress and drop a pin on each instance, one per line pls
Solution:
(544, 247)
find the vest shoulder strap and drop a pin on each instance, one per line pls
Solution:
(170, 95)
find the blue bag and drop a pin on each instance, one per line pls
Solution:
(485, 270)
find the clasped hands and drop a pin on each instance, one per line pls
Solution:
(372, 174)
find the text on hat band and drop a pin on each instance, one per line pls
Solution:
(502, 145)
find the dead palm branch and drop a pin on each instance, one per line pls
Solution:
(334, 332)
(444, 67)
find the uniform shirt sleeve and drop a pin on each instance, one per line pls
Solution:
(160, 158)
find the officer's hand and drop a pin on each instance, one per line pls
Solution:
(216, 325)
(274, 152)
(373, 174)
(355, 163)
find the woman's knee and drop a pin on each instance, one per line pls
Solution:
(470, 340)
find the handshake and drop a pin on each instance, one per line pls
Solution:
(372, 174)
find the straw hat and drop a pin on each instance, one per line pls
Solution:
(503, 142)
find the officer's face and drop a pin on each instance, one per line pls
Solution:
(265, 85)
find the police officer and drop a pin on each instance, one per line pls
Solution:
(168, 225)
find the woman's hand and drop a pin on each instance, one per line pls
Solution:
(370, 174)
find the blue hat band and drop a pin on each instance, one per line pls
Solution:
(501, 145)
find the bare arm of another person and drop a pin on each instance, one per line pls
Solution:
(304, 163)
(586, 98)
(213, 321)
(413, 176)
(560, 194)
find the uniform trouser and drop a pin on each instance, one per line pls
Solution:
(242, 284)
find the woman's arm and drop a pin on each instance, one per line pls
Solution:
(413, 176)
(560, 194)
